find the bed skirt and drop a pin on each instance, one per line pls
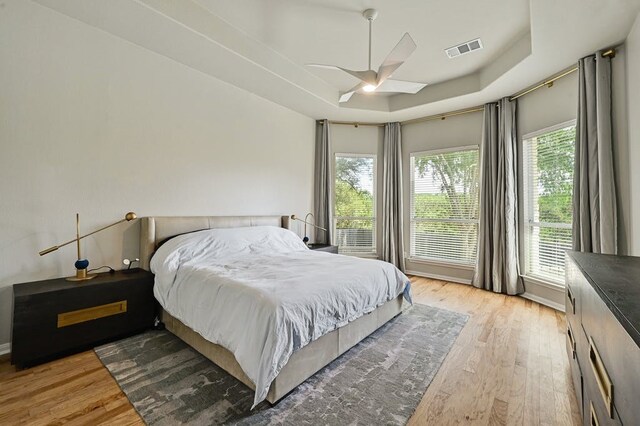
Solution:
(303, 363)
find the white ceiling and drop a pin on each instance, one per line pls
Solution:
(334, 32)
(262, 45)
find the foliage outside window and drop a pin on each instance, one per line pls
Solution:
(355, 221)
(548, 186)
(444, 206)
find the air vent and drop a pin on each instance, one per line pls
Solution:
(463, 48)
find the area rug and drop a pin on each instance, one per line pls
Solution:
(381, 380)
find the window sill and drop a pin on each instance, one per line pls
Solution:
(554, 285)
(440, 263)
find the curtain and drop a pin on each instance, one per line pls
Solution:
(322, 184)
(392, 229)
(594, 192)
(497, 267)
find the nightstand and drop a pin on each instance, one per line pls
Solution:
(324, 247)
(55, 318)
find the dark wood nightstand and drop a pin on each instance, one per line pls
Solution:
(324, 247)
(55, 318)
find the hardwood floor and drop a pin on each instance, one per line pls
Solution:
(508, 366)
(72, 390)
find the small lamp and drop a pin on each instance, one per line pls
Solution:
(82, 264)
(306, 239)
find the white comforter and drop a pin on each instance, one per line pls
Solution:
(262, 294)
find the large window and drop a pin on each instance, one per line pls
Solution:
(355, 204)
(444, 205)
(548, 185)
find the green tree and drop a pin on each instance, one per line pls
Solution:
(456, 173)
(350, 169)
(554, 154)
(353, 198)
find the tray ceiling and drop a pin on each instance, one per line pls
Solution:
(262, 45)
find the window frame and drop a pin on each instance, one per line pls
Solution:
(527, 208)
(419, 259)
(374, 252)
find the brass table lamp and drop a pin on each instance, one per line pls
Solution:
(82, 264)
(306, 238)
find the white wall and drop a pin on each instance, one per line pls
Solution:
(348, 139)
(93, 124)
(633, 117)
(457, 131)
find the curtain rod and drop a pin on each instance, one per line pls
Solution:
(445, 115)
(415, 120)
(548, 83)
(356, 123)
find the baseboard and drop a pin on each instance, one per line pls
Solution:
(439, 277)
(533, 297)
(5, 348)
(543, 301)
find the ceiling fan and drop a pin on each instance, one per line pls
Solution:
(372, 81)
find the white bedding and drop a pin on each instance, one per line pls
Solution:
(262, 294)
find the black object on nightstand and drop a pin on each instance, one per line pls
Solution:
(55, 318)
(324, 247)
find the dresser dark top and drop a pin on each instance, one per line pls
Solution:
(616, 279)
(58, 284)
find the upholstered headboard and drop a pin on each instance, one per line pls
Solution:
(156, 230)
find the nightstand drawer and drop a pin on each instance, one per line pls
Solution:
(66, 319)
(63, 319)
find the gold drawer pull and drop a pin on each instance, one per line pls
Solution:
(83, 315)
(604, 382)
(572, 300)
(592, 415)
(572, 341)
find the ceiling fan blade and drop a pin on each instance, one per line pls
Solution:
(369, 77)
(396, 57)
(398, 86)
(347, 95)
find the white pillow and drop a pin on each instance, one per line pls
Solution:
(218, 244)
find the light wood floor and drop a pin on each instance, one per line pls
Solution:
(508, 366)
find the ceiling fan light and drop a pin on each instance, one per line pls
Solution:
(369, 88)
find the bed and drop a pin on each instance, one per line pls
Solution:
(186, 291)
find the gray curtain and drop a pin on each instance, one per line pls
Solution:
(497, 267)
(322, 184)
(392, 229)
(594, 192)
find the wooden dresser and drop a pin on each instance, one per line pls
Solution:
(55, 318)
(603, 336)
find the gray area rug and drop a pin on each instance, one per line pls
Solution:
(381, 380)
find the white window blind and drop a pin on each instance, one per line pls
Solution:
(548, 185)
(444, 205)
(355, 221)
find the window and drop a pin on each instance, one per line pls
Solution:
(444, 205)
(355, 204)
(548, 185)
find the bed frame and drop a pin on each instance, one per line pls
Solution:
(303, 363)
